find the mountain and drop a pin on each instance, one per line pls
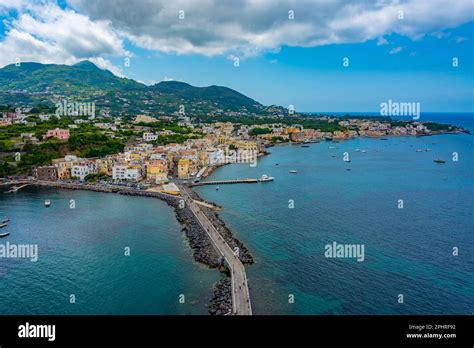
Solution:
(224, 97)
(34, 83)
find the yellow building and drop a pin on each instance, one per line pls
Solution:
(247, 145)
(104, 166)
(183, 168)
(156, 170)
(64, 168)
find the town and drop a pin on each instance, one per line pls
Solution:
(156, 153)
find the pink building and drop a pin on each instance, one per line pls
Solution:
(58, 133)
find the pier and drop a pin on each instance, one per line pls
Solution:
(224, 182)
(16, 188)
(241, 304)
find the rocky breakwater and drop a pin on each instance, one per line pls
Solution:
(244, 254)
(221, 303)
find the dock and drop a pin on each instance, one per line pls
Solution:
(16, 188)
(224, 182)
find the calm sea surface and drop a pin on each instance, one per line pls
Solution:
(407, 251)
(81, 252)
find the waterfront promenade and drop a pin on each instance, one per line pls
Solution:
(240, 292)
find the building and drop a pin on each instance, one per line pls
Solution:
(82, 169)
(156, 170)
(46, 173)
(149, 136)
(58, 133)
(244, 145)
(124, 172)
(63, 167)
(183, 168)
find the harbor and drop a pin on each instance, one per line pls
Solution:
(263, 178)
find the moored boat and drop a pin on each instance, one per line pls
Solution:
(439, 160)
(47, 203)
(4, 234)
(265, 178)
(293, 171)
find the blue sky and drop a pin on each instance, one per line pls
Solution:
(297, 62)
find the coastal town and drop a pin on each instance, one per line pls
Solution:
(150, 158)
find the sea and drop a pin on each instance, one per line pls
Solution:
(412, 216)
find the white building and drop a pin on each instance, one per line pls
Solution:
(150, 136)
(122, 172)
(82, 169)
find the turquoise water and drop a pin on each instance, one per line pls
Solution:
(407, 251)
(81, 252)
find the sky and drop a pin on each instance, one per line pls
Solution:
(319, 56)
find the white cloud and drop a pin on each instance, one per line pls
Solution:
(48, 34)
(248, 27)
(96, 29)
(395, 50)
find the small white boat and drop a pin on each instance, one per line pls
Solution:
(265, 178)
(419, 150)
(332, 147)
(293, 171)
(4, 234)
(364, 151)
(2, 225)
(47, 203)
(5, 219)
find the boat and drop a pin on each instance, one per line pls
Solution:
(47, 203)
(428, 150)
(217, 188)
(304, 145)
(3, 225)
(357, 150)
(265, 178)
(419, 150)
(5, 219)
(364, 151)
(293, 171)
(4, 234)
(383, 139)
(439, 160)
(331, 147)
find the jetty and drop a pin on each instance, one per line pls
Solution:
(241, 304)
(224, 182)
(16, 188)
